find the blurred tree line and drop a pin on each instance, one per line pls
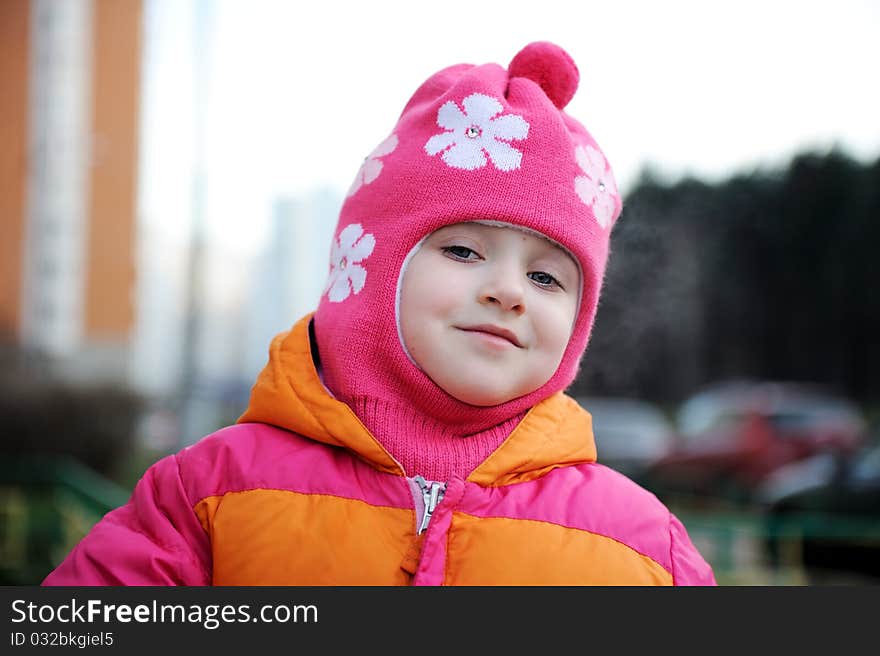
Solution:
(42, 414)
(769, 275)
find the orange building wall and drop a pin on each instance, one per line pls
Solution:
(14, 72)
(110, 270)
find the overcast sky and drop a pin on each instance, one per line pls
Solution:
(300, 92)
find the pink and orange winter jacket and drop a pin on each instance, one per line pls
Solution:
(298, 492)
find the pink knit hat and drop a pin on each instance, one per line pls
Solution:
(473, 143)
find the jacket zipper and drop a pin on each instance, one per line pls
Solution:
(432, 493)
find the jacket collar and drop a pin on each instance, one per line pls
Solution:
(289, 394)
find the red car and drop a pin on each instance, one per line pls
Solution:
(731, 436)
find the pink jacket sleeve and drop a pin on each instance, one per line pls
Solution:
(154, 539)
(688, 566)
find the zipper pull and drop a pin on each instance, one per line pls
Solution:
(432, 493)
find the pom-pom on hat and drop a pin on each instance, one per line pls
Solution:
(550, 67)
(473, 143)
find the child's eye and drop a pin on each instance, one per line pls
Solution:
(544, 279)
(460, 252)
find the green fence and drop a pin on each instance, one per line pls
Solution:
(745, 546)
(47, 504)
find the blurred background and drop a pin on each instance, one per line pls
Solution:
(169, 184)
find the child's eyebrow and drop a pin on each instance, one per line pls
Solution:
(478, 227)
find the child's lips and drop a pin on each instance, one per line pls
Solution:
(497, 332)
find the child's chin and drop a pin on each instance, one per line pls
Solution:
(481, 397)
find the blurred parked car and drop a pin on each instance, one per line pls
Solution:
(631, 434)
(825, 511)
(731, 436)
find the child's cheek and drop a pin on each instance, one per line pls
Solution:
(447, 294)
(556, 329)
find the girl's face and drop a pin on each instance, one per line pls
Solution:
(487, 311)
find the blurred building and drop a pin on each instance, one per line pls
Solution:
(291, 273)
(246, 299)
(69, 101)
(108, 261)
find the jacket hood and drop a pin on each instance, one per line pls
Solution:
(289, 394)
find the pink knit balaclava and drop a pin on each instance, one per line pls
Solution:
(473, 143)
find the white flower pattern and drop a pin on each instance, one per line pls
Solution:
(597, 187)
(474, 133)
(372, 165)
(347, 275)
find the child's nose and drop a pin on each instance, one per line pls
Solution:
(505, 292)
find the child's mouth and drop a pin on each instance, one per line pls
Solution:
(494, 335)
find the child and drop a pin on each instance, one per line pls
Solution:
(414, 429)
